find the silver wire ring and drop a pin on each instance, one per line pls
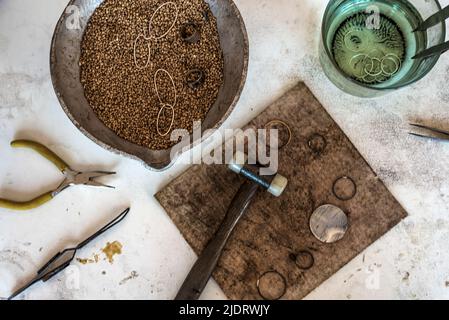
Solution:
(372, 65)
(383, 67)
(172, 25)
(372, 68)
(157, 90)
(135, 50)
(398, 64)
(165, 106)
(356, 56)
(345, 39)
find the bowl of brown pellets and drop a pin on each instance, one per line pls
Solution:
(131, 73)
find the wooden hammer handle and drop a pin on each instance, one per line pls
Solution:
(202, 270)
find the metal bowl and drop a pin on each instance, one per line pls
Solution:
(65, 73)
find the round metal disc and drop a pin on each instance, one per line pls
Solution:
(329, 224)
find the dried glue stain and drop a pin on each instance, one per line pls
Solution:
(112, 249)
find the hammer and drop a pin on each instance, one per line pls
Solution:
(201, 272)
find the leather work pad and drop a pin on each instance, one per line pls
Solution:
(272, 253)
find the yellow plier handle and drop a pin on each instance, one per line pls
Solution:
(42, 150)
(26, 205)
(47, 154)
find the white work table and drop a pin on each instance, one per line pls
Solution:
(410, 262)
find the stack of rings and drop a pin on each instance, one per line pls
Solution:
(152, 37)
(372, 69)
(375, 70)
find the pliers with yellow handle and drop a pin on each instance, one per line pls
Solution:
(72, 177)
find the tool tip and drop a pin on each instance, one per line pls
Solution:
(413, 134)
(11, 297)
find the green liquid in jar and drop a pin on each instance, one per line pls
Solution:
(369, 53)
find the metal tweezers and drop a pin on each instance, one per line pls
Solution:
(63, 259)
(433, 20)
(423, 131)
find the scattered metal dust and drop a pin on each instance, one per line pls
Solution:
(82, 261)
(95, 259)
(133, 275)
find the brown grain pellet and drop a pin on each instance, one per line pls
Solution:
(122, 95)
